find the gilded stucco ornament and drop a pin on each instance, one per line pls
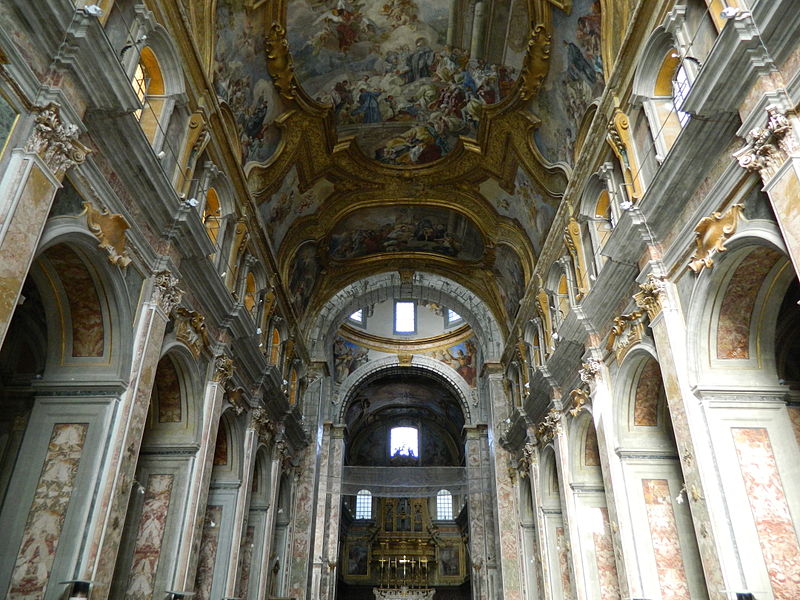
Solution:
(620, 139)
(589, 370)
(550, 427)
(279, 62)
(166, 293)
(537, 62)
(711, 234)
(574, 243)
(767, 148)
(190, 328)
(223, 368)
(580, 398)
(651, 295)
(627, 331)
(109, 229)
(54, 141)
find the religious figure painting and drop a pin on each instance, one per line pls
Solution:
(508, 269)
(357, 555)
(462, 357)
(406, 229)
(574, 80)
(347, 357)
(449, 561)
(303, 275)
(387, 63)
(241, 79)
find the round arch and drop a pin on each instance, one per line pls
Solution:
(425, 287)
(422, 365)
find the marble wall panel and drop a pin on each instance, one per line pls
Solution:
(563, 564)
(591, 451)
(246, 557)
(648, 391)
(666, 544)
(604, 557)
(794, 416)
(765, 493)
(147, 548)
(208, 553)
(735, 314)
(40, 538)
(84, 304)
(221, 447)
(168, 388)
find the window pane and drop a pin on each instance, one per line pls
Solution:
(444, 505)
(404, 321)
(358, 316)
(452, 316)
(404, 442)
(364, 505)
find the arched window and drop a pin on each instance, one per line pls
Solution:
(212, 213)
(562, 299)
(364, 505)
(444, 505)
(602, 220)
(148, 83)
(293, 387)
(250, 294)
(404, 441)
(275, 347)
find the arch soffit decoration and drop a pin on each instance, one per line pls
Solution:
(422, 365)
(425, 287)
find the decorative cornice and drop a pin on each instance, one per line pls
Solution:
(54, 141)
(767, 148)
(652, 294)
(711, 233)
(166, 293)
(109, 229)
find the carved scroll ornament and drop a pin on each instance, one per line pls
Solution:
(109, 229)
(223, 368)
(767, 148)
(711, 234)
(550, 427)
(589, 370)
(279, 62)
(190, 328)
(627, 331)
(166, 292)
(580, 398)
(54, 141)
(537, 62)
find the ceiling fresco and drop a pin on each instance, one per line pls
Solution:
(241, 79)
(574, 80)
(392, 74)
(406, 229)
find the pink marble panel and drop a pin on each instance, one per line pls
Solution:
(735, 314)
(42, 531)
(208, 553)
(776, 532)
(147, 547)
(591, 450)
(563, 564)
(666, 544)
(168, 388)
(794, 416)
(649, 391)
(246, 556)
(604, 557)
(84, 304)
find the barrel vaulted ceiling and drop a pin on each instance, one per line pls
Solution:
(408, 135)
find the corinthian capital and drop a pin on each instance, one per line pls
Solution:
(166, 292)
(54, 141)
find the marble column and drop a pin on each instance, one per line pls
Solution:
(506, 508)
(186, 565)
(614, 485)
(301, 528)
(704, 492)
(481, 546)
(478, 30)
(104, 531)
(569, 517)
(329, 506)
(240, 514)
(453, 23)
(27, 189)
(265, 558)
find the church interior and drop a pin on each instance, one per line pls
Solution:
(400, 299)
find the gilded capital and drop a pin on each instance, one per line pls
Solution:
(54, 141)
(651, 295)
(166, 292)
(223, 368)
(768, 147)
